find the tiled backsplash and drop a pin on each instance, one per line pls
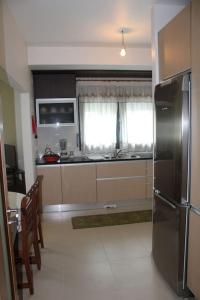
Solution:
(52, 135)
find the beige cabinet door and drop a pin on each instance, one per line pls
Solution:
(149, 167)
(149, 190)
(194, 255)
(121, 181)
(120, 189)
(195, 161)
(174, 45)
(149, 179)
(51, 185)
(79, 183)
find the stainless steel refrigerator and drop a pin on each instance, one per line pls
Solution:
(172, 180)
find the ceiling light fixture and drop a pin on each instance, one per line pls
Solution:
(123, 49)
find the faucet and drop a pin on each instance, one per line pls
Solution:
(117, 152)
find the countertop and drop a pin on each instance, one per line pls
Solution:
(83, 159)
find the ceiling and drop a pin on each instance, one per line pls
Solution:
(85, 22)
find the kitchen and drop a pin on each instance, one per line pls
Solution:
(94, 135)
(123, 165)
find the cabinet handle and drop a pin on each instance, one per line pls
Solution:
(195, 210)
(164, 200)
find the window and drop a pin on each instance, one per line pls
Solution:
(137, 125)
(99, 126)
(116, 117)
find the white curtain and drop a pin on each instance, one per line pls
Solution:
(100, 120)
(98, 123)
(136, 124)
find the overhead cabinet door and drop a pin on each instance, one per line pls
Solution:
(195, 107)
(174, 45)
(54, 85)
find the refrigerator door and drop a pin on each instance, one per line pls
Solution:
(171, 156)
(170, 241)
(194, 252)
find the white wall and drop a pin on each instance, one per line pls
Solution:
(19, 137)
(89, 58)
(161, 15)
(15, 51)
(14, 60)
(2, 50)
(27, 139)
(52, 135)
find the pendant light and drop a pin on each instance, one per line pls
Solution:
(123, 49)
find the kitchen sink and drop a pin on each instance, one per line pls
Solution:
(124, 156)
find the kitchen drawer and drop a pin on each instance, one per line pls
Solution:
(113, 190)
(121, 169)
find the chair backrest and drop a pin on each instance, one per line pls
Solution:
(28, 220)
(36, 190)
(30, 208)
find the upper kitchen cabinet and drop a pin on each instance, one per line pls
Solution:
(54, 85)
(174, 45)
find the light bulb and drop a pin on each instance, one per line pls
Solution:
(123, 52)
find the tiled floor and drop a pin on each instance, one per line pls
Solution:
(108, 263)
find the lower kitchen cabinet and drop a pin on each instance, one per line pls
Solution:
(194, 255)
(149, 190)
(78, 183)
(149, 179)
(51, 184)
(121, 181)
(120, 189)
(96, 182)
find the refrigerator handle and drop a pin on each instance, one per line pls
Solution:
(195, 210)
(157, 193)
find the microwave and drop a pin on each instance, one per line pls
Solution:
(56, 112)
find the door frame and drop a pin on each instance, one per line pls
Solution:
(8, 233)
(2, 272)
(7, 228)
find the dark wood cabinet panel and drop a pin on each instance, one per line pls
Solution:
(54, 85)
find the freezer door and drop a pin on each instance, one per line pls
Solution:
(169, 224)
(172, 138)
(194, 252)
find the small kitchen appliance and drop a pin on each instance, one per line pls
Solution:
(63, 148)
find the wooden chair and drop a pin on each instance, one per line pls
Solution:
(36, 189)
(29, 238)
